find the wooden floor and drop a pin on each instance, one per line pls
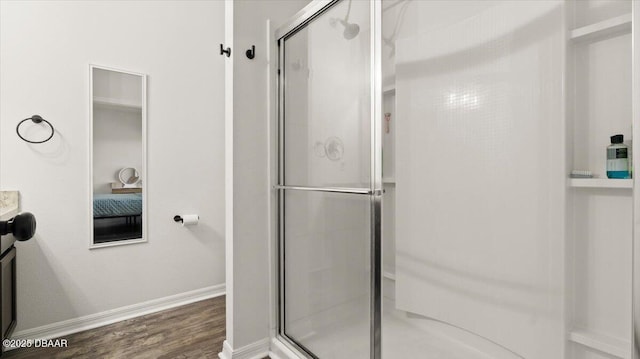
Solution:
(192, 331)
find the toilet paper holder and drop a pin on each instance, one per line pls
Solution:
(187, 219)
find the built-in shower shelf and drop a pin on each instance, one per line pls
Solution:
(619, 24)
(389, 90)
(388, 180)
(389, 275)
(613, 346)
(600, 183)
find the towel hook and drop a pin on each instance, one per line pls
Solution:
(35, 119)
(251, 53)
(223, 51)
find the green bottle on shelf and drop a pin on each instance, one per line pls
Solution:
(618, 158)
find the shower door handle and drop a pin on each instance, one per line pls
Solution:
(327, 189)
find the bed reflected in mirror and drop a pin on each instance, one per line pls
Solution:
(118, 124)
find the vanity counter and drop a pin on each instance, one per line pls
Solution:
(9, 208)
(9, 204)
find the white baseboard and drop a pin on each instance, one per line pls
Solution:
(227, 351)
(66, 327)
(255, 350)
(279, 350)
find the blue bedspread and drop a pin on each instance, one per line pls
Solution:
(115, 205)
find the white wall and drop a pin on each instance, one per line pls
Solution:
(117, 143)
(44, 69)
(248, 305)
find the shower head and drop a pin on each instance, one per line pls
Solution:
(350, 30)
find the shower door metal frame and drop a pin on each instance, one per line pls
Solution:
(297, 22)
(635, 126)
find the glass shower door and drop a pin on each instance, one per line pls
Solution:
(328, 202)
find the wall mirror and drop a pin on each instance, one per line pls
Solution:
(118, 156)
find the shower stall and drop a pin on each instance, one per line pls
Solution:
(425, 207)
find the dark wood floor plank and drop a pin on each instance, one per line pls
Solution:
(192, 331)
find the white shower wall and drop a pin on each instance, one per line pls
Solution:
(599, 219)
(491, 99)
(480, 186)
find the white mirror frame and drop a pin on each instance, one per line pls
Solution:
(143, 174)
